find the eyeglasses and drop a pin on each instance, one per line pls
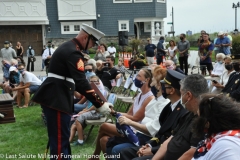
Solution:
(89, 70)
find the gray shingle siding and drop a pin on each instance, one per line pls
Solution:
(110, 13)
(125, 11)
(161, 10)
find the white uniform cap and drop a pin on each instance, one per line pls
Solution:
(92, 31)
(12, 68)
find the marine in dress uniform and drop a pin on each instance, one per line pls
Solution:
(65, 75)
(168, 120)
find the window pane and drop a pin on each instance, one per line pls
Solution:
(66, 28)
(124, 26)
(76, 27)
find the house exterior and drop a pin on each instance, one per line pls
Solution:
(37, 21)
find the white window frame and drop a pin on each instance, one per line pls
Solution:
(120, 22)
(143, 1)
(123, 1)
(146, 25)
(161, 1)
(71, 26)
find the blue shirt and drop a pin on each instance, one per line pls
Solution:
(224, 49)
(150, 50)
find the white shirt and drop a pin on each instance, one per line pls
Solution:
(225, 148)
(152, 113)
(171, 51)
(46, 53)
(218, 69)
(173, 106)
(111, 50)
(223, 81)
(29, 77)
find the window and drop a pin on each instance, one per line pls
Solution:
(66, 28)
(147, 26)
(123, 25)
(140, 1)
(162, 1)
(122, 1)
(76, 27)
(73, 27)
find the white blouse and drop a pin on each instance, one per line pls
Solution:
(171, 51)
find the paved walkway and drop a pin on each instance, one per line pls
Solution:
(38, 67)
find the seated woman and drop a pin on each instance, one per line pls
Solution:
(219, 118)
(83, 103)
(219, 67)
(87, 113)
(150, 124)
(135, 113)
(224, 77)
(101, 53)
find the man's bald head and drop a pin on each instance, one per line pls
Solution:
(170, 64)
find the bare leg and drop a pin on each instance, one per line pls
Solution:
(19, 97)
(27, 96)
(72, 132)
(103, 142)
(79, 130)
(106, 129)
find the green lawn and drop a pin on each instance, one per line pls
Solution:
(28, 136)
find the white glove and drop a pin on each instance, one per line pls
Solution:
(1, 115)
(105, 108)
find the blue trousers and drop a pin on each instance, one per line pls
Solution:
(58, 127)
(114, 152)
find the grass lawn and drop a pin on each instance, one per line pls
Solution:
(28, 136)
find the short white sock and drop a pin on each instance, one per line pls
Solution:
(80, 141)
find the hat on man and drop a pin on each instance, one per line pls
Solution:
(6, 42)
(173, 78)
(96, 34)
(12, 68)
(49, 42)
(220, 33)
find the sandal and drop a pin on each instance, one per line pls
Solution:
(24, 106)
(19, 106)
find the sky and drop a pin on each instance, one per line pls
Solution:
(196, 15)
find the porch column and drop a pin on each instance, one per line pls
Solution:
(152, 29)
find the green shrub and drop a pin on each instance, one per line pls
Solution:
(92, 51)
(236, 44)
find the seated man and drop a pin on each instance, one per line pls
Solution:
(168, 120)
(138, 62)
(29, 84)
(107, 72)
(232, 88)
(182, 144)
(88, 113)
(14, 80)
(171, 65)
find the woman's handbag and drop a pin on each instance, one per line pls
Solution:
(32, 59)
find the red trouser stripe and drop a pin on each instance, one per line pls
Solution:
(59, 143)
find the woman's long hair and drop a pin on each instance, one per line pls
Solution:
(217, 113)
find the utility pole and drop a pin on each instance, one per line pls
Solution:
(236, 6)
